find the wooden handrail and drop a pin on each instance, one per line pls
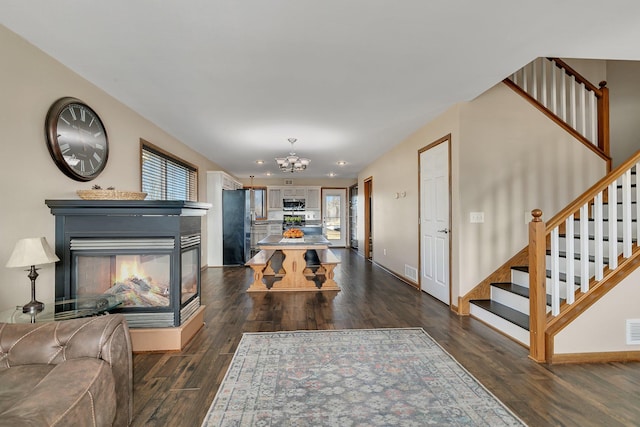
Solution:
(570, 71)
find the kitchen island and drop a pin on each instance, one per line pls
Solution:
(294, 274)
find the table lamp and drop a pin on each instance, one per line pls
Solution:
(29, 253)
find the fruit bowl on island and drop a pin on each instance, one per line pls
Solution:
(293, 233)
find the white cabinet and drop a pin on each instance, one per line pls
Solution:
(294, 192)
(258, 232)
(313, 198)
(217, 181)
(275, 228)
(274, 198)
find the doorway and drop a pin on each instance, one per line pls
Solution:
(368, 219)
(334, 216)
(353, 216)
(435, 222)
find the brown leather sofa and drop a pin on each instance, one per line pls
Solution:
(67, 373)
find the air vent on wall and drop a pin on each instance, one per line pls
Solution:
(288, 182)
(633, 331)
(411, 272)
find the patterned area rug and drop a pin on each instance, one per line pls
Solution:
(379, 377)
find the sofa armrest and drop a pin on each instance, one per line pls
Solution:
(103, 337)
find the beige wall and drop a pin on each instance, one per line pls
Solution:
(507, 159)
(30, 82)
(624, 95)
(602, 327)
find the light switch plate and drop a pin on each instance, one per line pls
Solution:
(476, 217)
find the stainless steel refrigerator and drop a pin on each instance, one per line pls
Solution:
(236, 227)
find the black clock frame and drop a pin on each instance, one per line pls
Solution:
(51, 131)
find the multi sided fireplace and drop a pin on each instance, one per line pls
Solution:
(143, 254)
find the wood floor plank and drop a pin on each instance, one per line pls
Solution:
(176, 389)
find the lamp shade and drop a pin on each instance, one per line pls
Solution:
(31, 251)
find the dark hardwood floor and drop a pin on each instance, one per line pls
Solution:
(177, 388)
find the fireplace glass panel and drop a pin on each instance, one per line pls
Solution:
(137, 280)
(189, 274)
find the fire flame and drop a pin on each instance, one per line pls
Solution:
(130, 269)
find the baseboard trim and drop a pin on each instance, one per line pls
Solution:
(597, 357)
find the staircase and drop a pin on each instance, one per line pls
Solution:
(569, 273)
(583, 251)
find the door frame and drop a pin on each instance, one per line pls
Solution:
(368, 202)
(445, 139)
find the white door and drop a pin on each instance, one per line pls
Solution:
(434, 221)
(334, 216)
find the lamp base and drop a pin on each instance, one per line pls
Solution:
(33, 307)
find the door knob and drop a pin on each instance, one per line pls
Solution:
(444, 230)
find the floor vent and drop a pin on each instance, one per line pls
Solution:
(411, 273)
(633, 331)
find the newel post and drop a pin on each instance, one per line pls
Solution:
(537, 287)
(603, 119)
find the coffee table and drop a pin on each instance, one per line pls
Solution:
(84, 306)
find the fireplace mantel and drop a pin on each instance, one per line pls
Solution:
(127, 207)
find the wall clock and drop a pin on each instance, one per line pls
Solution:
(77, 139)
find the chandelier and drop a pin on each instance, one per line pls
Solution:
(292, 163)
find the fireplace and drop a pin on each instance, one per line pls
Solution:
(143, 254)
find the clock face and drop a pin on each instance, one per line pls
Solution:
(76, 139)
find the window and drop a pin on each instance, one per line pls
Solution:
(259, 202)
(166, 177)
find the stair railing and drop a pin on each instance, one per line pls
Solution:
(568, 98)
(605, 253)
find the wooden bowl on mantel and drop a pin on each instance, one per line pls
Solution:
(110, 195)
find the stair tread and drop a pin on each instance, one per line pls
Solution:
(576, 256)
(500, 310)
(562, 276)
(592, 237)
(518, 290)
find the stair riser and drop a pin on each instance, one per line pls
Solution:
(576, 266)
(576, 245)
(522, 279)
(517, 333)
(605, 225)
(511, 300)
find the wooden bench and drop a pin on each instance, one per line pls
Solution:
(328, 262)
(261, 265)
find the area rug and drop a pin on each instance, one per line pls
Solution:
(377, 377)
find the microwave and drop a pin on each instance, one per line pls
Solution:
(293, 204)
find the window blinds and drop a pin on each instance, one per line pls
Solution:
(167, 178)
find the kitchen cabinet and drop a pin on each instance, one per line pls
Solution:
(274, 198)
(274, 228)
(313, 198)
(258, 232)
(294, 192)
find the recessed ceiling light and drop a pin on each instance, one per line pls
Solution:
(260, 162)
(268, 173)
(341, 163)
(332, 174)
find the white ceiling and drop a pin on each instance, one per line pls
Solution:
(349, 79)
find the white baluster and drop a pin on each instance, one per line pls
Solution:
(570, 257)
(626, 214)
(584, 248)
(554, 89)
(534, 80)
(555, 272)
(544, 63)
(563, 96)
(613, 225)
(594, 118)
(637, 200)
(525, 80)
(572, 102)
(583, 110)
(598, 238)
